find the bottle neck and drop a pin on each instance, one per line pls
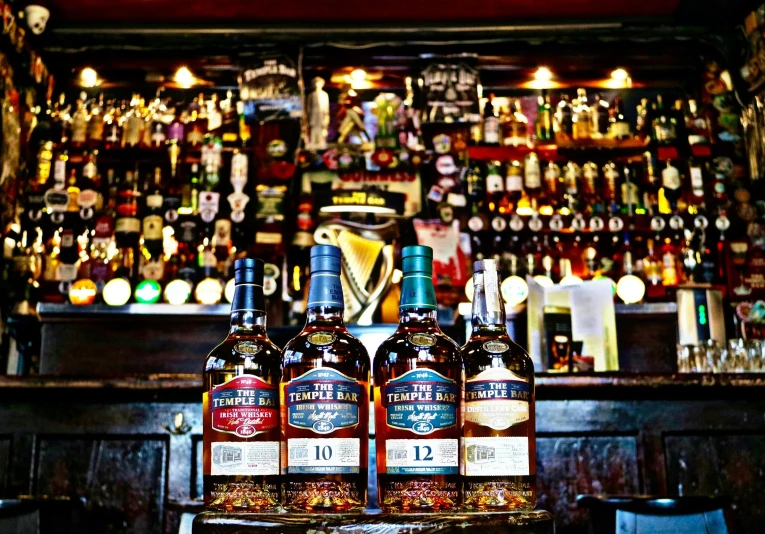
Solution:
(248, 310)
(418, 299)
(488, 307)
(325, 300)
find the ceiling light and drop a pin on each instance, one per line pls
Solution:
(358, 75)
(543, 74)
(620, 75)
(184, 78)
(88, 77)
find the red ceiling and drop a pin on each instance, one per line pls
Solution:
(141, 12)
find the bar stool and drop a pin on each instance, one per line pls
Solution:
(643, 514)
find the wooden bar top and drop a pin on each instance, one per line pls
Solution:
(533, 522)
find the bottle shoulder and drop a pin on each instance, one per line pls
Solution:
(490, 350)
(418, 343)
(332, 343)
(249, 351)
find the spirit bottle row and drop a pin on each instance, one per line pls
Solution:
(454, 426)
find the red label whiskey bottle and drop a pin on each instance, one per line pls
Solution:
(241, 405)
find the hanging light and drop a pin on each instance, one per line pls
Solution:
(88, 77)
(184, 77)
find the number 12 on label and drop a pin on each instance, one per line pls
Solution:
(423, 453)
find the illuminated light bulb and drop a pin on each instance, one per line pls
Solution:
(88, 77)
(177, 292)
(184, 77)
(613, 284)
(620, 75)
(83, 292)
(148, 292)
(469, 290)
(117, 292)
(358, 76)
(209, 291)
(229, 291)
(543, 74)
(544, 281)
(570, 280)
(514, 290)
(630, 289)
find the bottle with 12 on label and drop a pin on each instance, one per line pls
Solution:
(418, 382)
(241, 405)
(498, 438)
(325, 401)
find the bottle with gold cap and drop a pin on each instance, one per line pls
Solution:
(418, 379)
(240, 415)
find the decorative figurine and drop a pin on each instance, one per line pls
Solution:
(351, 116)
(317, 110)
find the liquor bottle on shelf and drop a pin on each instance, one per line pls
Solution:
(582, 119)
(696, 173)
(112, 134)
(127, 227)
(552, 180)
(671, 187)
(495, 183)
(515, 128)
(498, 437)
(325, 401)
(240, 419)
(490, 123)
(652, 271)
(564, 119)
(697, 125)
(79, 125)
(532, 176)
(543, 124)
(600, 117)
(590, 188)
(132, 133)
(669, 264)
(514, 181)
(620, 126)
(651, 183)
(630, 191)
(152, 226)
(663, 125)
(96, 122)
(418, 379)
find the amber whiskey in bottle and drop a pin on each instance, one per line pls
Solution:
(498, 436)
(241, 405)
(417, 388)
(325, 401)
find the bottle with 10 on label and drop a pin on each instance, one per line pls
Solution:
(241, 405)
(499, 449)
(325, 401)
(418, 383)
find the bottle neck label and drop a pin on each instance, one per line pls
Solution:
(244, 406)
(417, 292)
(323, 400)
(325, 290)
(497, 398)
(421, 401)
(248, 297)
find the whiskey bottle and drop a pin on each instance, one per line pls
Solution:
(241, 405)
(498, 437)
(417, 387)
(325, 401)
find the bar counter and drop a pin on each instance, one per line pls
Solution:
(131, 447)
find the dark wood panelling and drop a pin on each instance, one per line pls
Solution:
(5, 459)
(568, 466)
(122, 480)
(726, 464)
(197, 488)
